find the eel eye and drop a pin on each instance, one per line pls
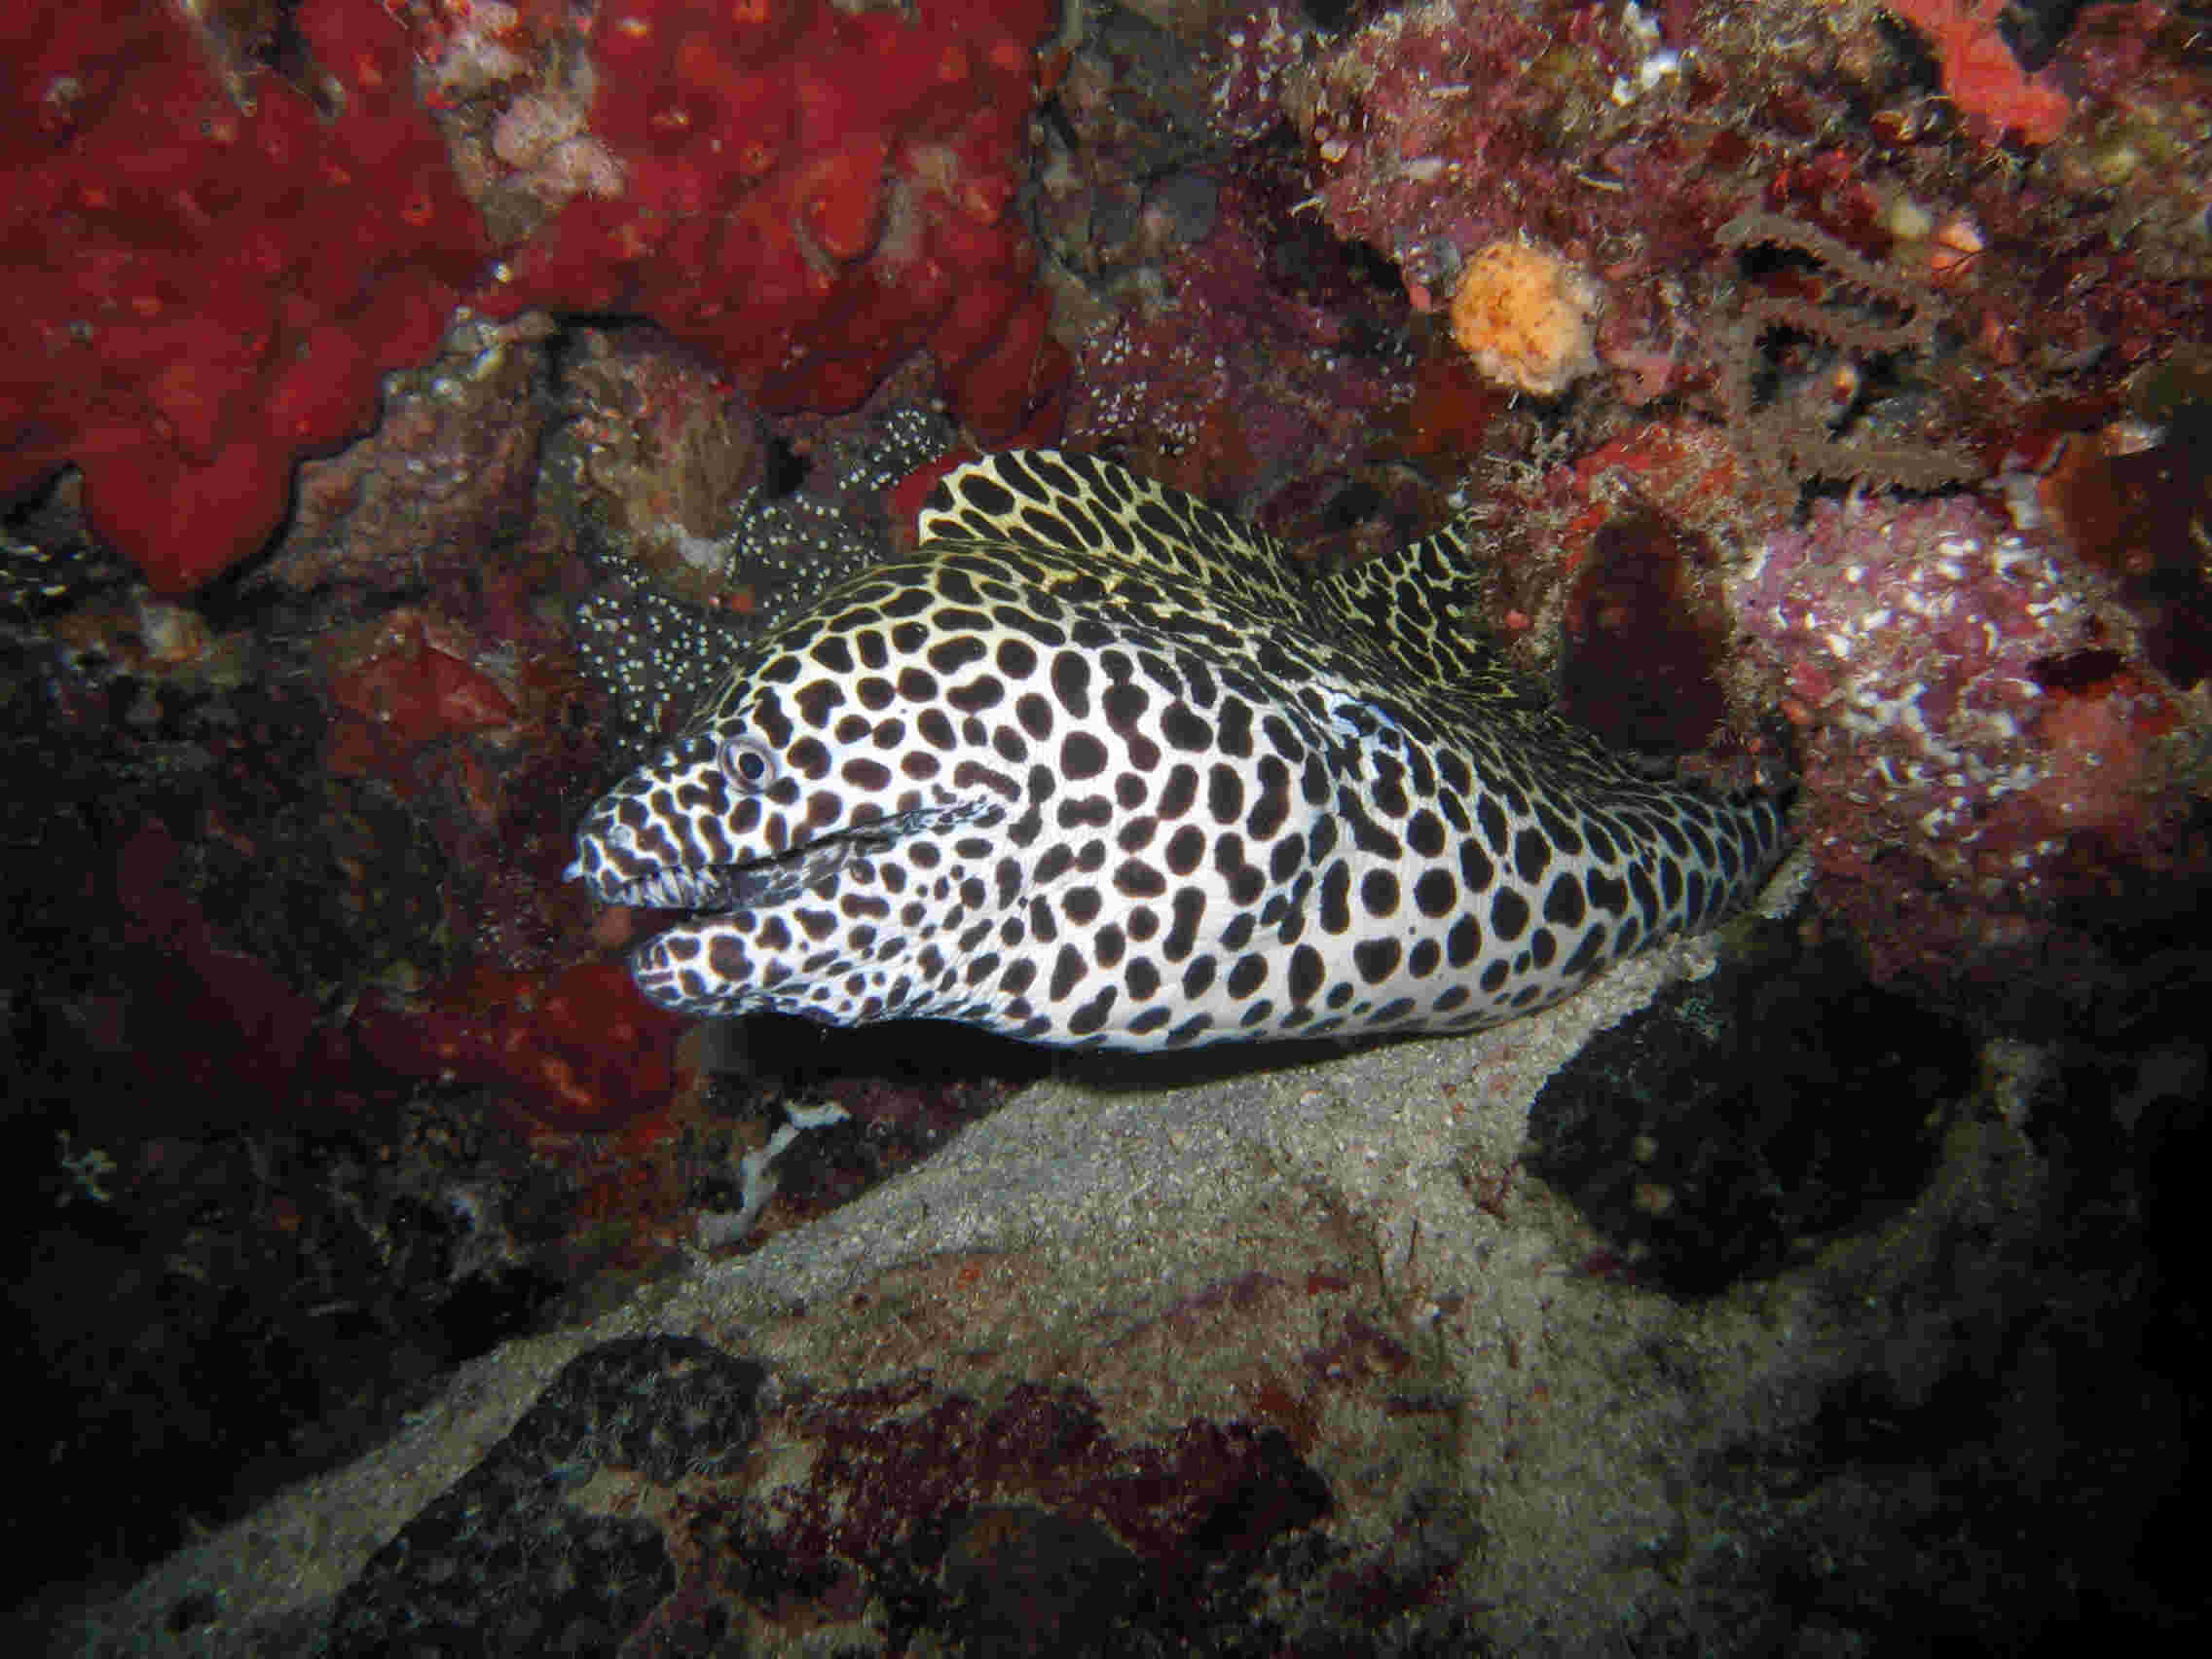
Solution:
(747, 762)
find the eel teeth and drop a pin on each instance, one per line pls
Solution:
(732, 887)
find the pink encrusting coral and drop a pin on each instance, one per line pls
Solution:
(1429, 131)
(207, 277)
(211, 263)
(806, 192)
(1260, 368)
(1981, 75)
(1976, 746)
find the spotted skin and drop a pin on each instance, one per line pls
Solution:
(1098, 767)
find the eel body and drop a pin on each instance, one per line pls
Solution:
(1097, 767)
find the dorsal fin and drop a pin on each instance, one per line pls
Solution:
(1418, 608)
(1051, 501)
(1422, 605)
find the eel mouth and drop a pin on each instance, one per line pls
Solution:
(719, 888)
(757, 884)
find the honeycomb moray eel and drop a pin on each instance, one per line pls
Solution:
(1097, 767)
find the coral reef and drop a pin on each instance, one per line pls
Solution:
(1834, 279)
(405, 409)
(209, 275)
(1224, 341)
(1645, 636)
(674, 602)
(1438, 130)
(665, 454)
(1265, 360)
(573, 1049)
(449, 471)
(1981, 75)
(1629, 144)
(2140, 511)
(1791, 442)
(1975, 748)
(1321, 1368)
(216, 261)
(847, 171)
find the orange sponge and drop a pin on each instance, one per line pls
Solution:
(1522, 313)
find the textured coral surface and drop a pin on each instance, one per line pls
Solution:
(406, 408)
(809, 192)
(208, 278)
(219, 233)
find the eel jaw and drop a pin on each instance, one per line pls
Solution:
(719, 888)
(782, 877)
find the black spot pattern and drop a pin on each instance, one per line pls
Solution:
(1097, 767)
